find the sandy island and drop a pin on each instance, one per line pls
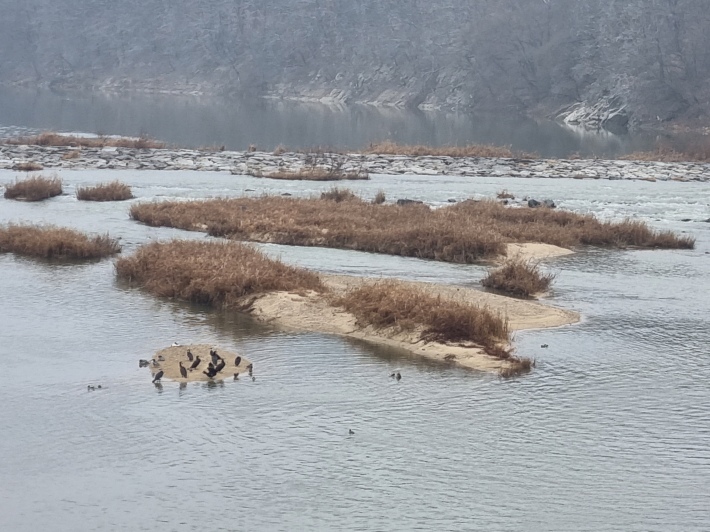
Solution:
(311, 312)
(172, 356)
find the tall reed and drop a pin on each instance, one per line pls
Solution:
(113, 191)
(519, 278)
(34, 188)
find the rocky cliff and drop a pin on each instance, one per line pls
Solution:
(647, 59)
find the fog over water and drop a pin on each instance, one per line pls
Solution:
(609, 432)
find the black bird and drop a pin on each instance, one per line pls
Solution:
(161, 358)
(210, 372)
(143, 363)
(398, 376)
(99, 386)
(183, 371)
(351, 432)
(236, 376)
(90, 387)
(215, 357)
(237, 361)
(190, 356)
(253, 379)
(158, 376)
(220, 366)
(250, 367)
(155, 363)
(195, 363)
(393, 375)
(544, 346)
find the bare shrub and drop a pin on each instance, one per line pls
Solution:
(379, 198)
(27, 166)
(51, 242)
(34, 188)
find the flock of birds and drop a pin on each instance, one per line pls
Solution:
(214, 367)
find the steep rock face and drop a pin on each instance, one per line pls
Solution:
(513, 55)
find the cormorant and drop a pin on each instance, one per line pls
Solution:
(195, 363)
(250, 367)
(398, 376)
(253, 379)
(215, 357)
(351, 432)
(190, 356)
(183, 371)
(210, 372)
(237, 361)
(236, 376)
(220, 366)
(158, 376)
(143, 363)
(89, 388)
(155, 363)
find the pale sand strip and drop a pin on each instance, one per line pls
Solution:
(311, 312)
(536, 251)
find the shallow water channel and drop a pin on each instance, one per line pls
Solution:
(611, 431)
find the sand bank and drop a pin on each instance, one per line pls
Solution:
(535, 251)
(172, 356)
(311, 312)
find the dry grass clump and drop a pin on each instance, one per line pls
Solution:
(27, 166)
(472, 150)
(698, 151)
(504, 194)
(339, 194)
(220, 274)
(391, 304)
(34, 188)
(113, 191)
(51, 242)
(462, 233)
(379, 198)
(311, 173)
(519, 278)
(56, 139)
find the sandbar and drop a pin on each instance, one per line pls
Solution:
(172, 356)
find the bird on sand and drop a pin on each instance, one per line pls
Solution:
(210, 372)
(237, 361)
(220, 366)
(155, 363)
(195, 363)
(215, 357)
(158, 376)
(161, 358)
(190, 356)
(183, 371)
(175, 344)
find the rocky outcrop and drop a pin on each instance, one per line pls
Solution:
(608, 113)
(238, 162)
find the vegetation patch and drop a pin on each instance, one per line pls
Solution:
(472, 150)
(314, 174)
(51, 242)
(56, 139)
(27, 166)
(462, 233)
(113, 191)
(697, 151)
(518, 278)
(34, 188)
(391, 304)
(220, 274)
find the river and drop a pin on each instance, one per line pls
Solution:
(609, 432)
(191, 121)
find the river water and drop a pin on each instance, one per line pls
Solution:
(610, 432)
(237, 124)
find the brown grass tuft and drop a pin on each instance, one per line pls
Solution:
(113, 191)
(51, 242)
(473, 150)
(34, 188)
(73, 154)
(339, 194)
(462, 233)
(56, 139)
(519, 278)
(27, 166)
(504, 194)
(215, 273)
(390, 303)
(379, 198)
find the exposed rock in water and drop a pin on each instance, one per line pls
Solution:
(406, 201)
(608, 113)
(549, 204)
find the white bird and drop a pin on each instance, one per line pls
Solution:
(175, 344)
